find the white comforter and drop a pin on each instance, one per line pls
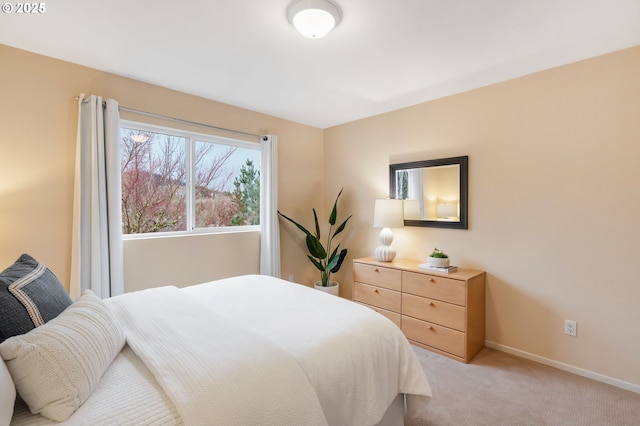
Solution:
(357, 360)
(214, 371)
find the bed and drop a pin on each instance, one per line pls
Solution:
(239, 351)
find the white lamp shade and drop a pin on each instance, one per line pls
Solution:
(447, 210)
(388, 213)
(313, 18)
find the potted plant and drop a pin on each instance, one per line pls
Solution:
(438, 258)
(326, 260)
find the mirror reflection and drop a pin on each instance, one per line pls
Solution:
(435, 191)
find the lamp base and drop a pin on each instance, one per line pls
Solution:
(385, 253)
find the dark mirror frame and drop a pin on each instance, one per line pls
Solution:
(463, 162)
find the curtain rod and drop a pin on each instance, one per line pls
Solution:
(180, 120)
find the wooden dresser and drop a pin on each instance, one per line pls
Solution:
(443, 313)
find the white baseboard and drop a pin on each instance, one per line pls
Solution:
(565, 367)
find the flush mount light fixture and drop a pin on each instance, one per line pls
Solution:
(314, 18)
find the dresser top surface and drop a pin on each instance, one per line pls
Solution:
(412, 266)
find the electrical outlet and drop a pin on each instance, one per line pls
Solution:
(570, 328)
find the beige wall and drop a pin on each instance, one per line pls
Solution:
(187, 260)
(38, 119)
(553, 202)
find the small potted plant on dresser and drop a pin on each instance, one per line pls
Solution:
(438, 259)
(326, 260)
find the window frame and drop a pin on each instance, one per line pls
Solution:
(191, 139)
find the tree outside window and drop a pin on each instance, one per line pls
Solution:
(177, 182)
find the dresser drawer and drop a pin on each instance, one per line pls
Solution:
(377, 296)
(434, 311)
(442, 338)
(378, 276)
(434, 287)
(393, 316)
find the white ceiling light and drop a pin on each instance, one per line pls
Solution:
(313, 18)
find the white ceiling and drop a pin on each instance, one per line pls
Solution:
(384, 55)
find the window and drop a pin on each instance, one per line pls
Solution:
(178, 181)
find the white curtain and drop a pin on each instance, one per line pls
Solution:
(416, 188)
(96, 258)
(269, 227)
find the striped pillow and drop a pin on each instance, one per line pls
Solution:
(56, 366)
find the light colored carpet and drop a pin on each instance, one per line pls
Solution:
(500, 389)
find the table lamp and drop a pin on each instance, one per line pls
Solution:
(388, 213)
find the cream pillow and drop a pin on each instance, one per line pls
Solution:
(7, 395)
(56, 366)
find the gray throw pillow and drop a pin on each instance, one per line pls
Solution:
(30, 295)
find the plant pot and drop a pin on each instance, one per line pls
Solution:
(332, 288)
(440, 262)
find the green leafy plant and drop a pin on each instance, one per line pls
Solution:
(438, 254)
(322, 257)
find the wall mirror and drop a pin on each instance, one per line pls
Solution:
(435, 192)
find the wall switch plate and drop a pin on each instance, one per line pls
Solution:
(570, 328)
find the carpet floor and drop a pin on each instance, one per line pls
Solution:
(501, 389)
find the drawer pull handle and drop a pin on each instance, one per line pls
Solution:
(376, 291)
(430, 328)
(431, 280)
(376, 270)
(431, 304)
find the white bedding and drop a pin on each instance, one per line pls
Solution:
(356, 359)
(214, 371)
(127, 395)
(280, 351)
